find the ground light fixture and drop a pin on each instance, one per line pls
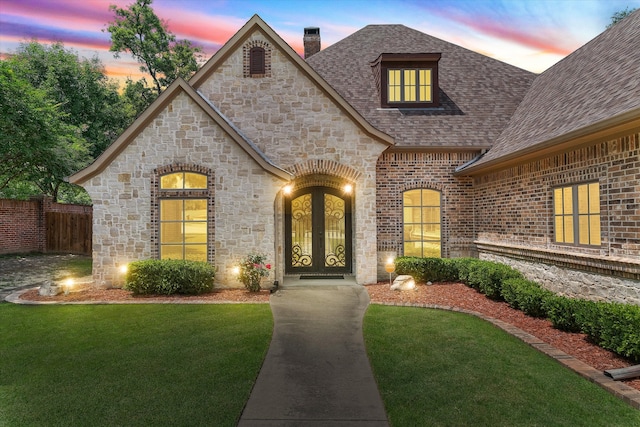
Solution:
(68, 284)
(390, 267)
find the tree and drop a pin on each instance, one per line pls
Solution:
(38, 146)
(91, 102)
(138, 31)
(59, 112)
(619, 16)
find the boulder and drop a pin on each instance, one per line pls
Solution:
(49, 289)
(403, 283)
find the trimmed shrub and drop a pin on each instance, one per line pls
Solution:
(563, 311)
(169, 276)
(526, 295)
(427, 269)
(614, 326)
(465, 266)
(487, 277)
(411, 266)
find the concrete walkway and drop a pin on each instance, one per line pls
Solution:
(316, 372)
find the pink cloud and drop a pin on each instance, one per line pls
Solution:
(543, 39)
(77, 15)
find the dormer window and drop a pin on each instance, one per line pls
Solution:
(407, 80)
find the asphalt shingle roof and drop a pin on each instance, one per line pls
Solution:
(478, 94)
(599, 81)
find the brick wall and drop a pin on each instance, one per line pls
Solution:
(514, 211)
(398, 172)
(22, 223)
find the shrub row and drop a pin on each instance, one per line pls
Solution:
(169, 276)
(612, 326)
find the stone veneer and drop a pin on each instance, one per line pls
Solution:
(293, 123)
(574, 283)
(514, 209)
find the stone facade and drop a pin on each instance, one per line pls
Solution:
(180, 135)
(575, 283)
(290, 119)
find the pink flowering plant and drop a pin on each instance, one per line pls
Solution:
(252, 269)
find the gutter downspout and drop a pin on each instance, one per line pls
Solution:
(470, 162)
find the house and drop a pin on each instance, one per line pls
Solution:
(390, 142)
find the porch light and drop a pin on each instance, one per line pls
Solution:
(348, 188)
(287, 189)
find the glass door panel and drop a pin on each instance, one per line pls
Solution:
(301, 231)
(334, 231)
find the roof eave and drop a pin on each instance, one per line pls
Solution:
(604, 130)
(138, 125)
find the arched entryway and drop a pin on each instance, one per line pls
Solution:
(318, 231)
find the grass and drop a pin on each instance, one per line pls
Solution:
(148, 365)
(441, 368)
(73, 267)
(140, 365)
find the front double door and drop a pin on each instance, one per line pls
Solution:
(318, 231)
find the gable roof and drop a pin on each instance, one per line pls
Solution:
(592, 94)
(478, 94)
(257, 24)
(177, 87)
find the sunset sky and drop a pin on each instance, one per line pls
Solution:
(531, 34)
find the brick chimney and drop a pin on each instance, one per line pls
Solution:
(311, 41)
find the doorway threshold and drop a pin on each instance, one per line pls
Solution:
(298, 280)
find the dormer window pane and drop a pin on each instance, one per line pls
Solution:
(395, 85)
(425, 86)
(409, 85)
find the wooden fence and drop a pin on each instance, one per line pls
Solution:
(68, 232)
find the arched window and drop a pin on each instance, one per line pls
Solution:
(256, 61)
(183, 220)
(421, 223)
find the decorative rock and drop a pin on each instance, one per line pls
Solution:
(403, 283)
(49, 289)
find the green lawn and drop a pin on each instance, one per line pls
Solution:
(439, 368)
(140, 365)
(185, 365)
